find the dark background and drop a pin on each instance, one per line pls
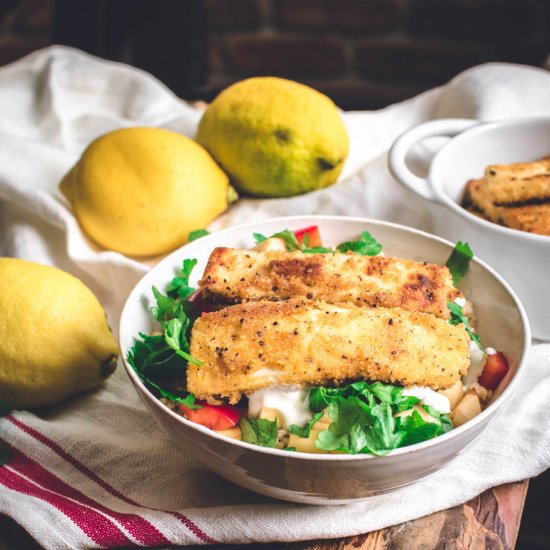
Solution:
(365, 54)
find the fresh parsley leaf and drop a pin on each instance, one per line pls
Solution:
(318, 250)
(459, 260)
(382, 437)
(154, 362)
(288, 237)
(5, 409)
(197, 234)
(304, 431)
(458, 317)
(367, 245)
(5, 454)
(175, 324)
(363, 418)
(259, 238)
(417, 429)
(291, 449)
(179, 285)
(259, 431)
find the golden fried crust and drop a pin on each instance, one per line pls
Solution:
(299, 342)
(234, 276)
(534, 218)
(518, 169)
(514, 192)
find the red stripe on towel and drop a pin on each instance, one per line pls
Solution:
(139, 528)
(98, 528)
(194, 528)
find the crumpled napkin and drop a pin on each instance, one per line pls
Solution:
(97, 471)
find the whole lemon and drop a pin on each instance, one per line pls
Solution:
(54, 336)
(141, 191)
(275, 137)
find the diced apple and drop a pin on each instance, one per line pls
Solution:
(420, 410)
(454, 394)
(312, 232)
(466, 409)
(272, 244)
(305, 444)
(271, 414)
(233, 433)
(324, 422)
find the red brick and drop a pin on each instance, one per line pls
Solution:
(235, 14)
(481, 20)
(331, 15)
(419, 62)
(8, 15)
(14, 47)
(216, 62)
(35, 15)
(286, 56)
(355, 94)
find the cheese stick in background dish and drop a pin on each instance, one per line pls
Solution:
(534, 218)
(303, 343)
(234, 276)
(517, 170)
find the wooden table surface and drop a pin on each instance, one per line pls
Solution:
(489, 521)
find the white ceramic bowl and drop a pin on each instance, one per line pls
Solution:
(331, 479)
(522, 258)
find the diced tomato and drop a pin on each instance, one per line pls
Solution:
(494, 371)
(215, 417)
(314, 236)
(201, 305)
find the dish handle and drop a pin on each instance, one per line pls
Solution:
(403, 144)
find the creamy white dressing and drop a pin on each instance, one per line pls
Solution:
(429, 397)
(477, 362)
(490, 351)
(460, 301)
(292, 404)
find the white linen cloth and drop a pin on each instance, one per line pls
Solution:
(97, 472)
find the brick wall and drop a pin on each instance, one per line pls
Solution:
(24, 27)
(369, 53)
(363, 53)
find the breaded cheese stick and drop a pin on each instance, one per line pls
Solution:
(517, 169)
(298, 342)
(517, 191)
(534, 218)
(234, 276)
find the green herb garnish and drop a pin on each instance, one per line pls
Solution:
(459, 260)
(259, 431)
(197, 234)
(288, 236)
(364, 418)
(367, 245)
(458, 317)
(179, 286)
(163, 358)
(304, 431)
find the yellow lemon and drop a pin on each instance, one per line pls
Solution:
(54, 336)
(275, 137)
(141, 191)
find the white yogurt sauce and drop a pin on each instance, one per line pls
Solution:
(291, 403)
(477, 362)
(460, 301)
(429, 397)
